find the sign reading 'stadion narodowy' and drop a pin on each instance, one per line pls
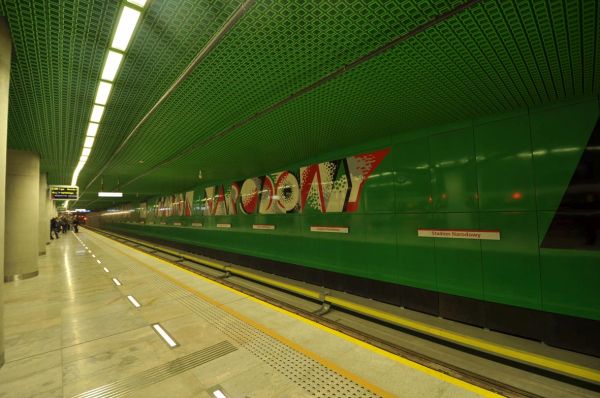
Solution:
(458, 234)
(64, 192)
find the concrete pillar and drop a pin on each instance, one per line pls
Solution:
(21, 217)
(5, 54)
(44, 216)
(50, 210)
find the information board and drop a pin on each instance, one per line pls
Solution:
(64, 192)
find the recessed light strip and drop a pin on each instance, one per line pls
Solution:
(117, 282)
(133, 301)
(110, 194)
(219, 394)
(126, 25)
(111, 65)
(139, 3)
(165, 336)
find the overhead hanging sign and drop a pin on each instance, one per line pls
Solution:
(459, 234)
(64, 192)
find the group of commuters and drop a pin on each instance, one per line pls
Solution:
(62, 224)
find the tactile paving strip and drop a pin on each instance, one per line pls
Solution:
(303, 371)
(159, 373)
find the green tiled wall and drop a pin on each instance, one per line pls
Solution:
(506, 172)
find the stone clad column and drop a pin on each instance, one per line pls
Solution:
(44, 217)
(5, 54)
(21, 216)
(51, 211)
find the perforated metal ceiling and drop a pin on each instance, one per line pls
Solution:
(493, 56)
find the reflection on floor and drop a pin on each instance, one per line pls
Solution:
(72, 331)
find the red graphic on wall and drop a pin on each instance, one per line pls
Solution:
(328, 187)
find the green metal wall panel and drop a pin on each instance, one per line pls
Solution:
(378, 251)
(340, 252)
(479, 169)
(504, 165)
(559, 135)
(413, 176)
(454, 177)
(378, 196)
(458, 261)
(570, 279)
(416, 256)
(511, 270)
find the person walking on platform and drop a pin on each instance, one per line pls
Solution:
(75, 225)
(54, 227)
(64, 225)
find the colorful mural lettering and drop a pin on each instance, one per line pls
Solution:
(328, 187)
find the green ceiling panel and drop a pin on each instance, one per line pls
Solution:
(278, 48)
(495, 56)
(59, 47)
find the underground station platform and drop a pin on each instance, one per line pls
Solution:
(113, 316)
(300, 198)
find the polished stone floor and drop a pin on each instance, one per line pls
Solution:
(72, 331)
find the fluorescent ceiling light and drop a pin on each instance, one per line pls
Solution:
(83, 159)
(162, 333)
(110, 194)
(140, 3)
(116, 281)
(103, 93)
(89, 142)
(125, 28)
(106, 269)
(97, 112)
(133, 301)
(86, 151)
(92, 128)
(111, 66)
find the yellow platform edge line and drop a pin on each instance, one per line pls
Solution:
(578, 371)
(504, 351)
(421, 368)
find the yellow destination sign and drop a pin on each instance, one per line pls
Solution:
(64, 192)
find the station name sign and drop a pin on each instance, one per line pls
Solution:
(458, 234)
(64, 192)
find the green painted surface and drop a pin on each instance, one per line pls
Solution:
(458, 261)
(413, 176)
(473, 108)
(569, 279)
(479, 168)
(511, 269)
(416, 256)
(559, 134)
(454, 177)
(494, 57)
(504, 165)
